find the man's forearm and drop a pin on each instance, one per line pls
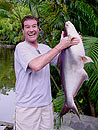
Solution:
(39, 62)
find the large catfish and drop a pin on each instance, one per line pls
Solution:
(72, 69)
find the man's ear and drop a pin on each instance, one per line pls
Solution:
(23, 31)
(39, 29)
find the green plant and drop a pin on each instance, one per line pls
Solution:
(10, 28)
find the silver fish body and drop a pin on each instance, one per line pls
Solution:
(72, 70)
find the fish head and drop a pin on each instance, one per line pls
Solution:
(71, 31)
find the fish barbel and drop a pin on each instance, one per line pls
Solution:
(72, 69)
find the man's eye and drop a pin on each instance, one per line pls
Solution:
(34, 26)
(27, 27)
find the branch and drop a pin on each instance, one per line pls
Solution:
(54, 82)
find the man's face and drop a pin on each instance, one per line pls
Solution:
(30, 30)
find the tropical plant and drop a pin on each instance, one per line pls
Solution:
(5, 8)
(10, 28)
(91, 48)
(53, 15)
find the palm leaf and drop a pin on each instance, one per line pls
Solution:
(83, 16)
(91, 48)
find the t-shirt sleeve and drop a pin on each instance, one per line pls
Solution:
(55, 59)
(23, 56)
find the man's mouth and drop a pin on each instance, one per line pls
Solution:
(32, 34)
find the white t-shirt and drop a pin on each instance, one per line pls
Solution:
(33, 88)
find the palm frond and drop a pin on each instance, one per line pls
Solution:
(91, 47)
(83, 16)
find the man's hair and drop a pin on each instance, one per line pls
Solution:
(29, 17)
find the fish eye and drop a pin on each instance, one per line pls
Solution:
(66, 24)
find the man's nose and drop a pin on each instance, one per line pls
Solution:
(31, 29)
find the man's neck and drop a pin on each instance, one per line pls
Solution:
(34, 44)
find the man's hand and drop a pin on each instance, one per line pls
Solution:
(66, 42)
(74, 41)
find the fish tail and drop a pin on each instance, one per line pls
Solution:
(74, 109)
(65, 109)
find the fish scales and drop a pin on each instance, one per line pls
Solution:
(72, 69)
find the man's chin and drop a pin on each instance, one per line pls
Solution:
(32, 40)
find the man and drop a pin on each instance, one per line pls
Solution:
(34, 109)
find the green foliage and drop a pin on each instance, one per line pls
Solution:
(52, 17)
(10, 28)
(5, 5)
(91, 48)
(59, 101)
(5, 8)
(83, 16)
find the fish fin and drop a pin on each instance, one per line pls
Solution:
(65, 109)
(86, 59)
(85, 75)
(74, 109)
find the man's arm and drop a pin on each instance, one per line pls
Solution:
(39, 62)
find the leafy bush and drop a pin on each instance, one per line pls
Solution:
(10, 28)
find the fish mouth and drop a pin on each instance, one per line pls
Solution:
(67, 23)
(66, 28)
